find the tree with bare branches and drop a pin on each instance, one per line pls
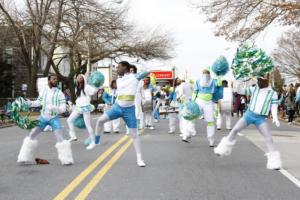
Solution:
(79, 32)
(240, 20)
(29, 25)
(287, 54)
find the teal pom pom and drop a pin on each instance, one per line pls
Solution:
(251, 62)
(79, 122)
(191, 111)
(96, 79)
(19, 112)
(220, 66)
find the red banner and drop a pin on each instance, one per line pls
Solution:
(163, 74)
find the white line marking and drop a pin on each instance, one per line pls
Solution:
(290, 177)
(285, 173)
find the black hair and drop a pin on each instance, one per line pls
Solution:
(51, 75)
(134, 68)
(78, 89)
(112, 82)
(225, 83)
(176, 79)
(125, 64)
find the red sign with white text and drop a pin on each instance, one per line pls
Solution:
(163, 74)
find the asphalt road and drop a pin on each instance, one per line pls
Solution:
(175, 170)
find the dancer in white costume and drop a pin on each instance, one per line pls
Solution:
(125, 106)
(263, 99)
(225, 107)
(184, 95)
(53, 103)
(83, 106)
(173, 117)
(109, 97)
(205, 88)
(137, 100)
(147, 110)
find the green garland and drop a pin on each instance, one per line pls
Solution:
(250, 62)
(14, 109)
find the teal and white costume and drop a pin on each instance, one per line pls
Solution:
(83, 107)
(53, 103)
(263, 100)
(124, 107)
(205, 88)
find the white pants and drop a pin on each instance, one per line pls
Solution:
(147, 119)
(186, 127)
(227, 115)
(208, 112)
(113, 125)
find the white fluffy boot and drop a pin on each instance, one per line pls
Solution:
(225, 147)
(274, 161)
(27, 150)
(64, 152)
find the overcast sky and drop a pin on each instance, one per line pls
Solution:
(197, 46)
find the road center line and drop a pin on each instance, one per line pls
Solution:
(71, 186)
(97, 178)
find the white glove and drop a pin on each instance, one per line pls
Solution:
(276, 122)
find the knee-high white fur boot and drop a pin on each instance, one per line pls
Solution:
(274, 161)
(64, 152)
(225, 147)
(27, 150)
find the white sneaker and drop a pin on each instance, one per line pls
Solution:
(181, 135)
(185, 139)
(141, 163)
(73, 139)
(91, 146)
(156, 121)
(170, 132)
(151, 128)
(240, 134)
(211, 142)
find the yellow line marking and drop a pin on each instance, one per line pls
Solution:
(69, 188)
(97, 178)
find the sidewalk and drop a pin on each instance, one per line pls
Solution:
(287, 142)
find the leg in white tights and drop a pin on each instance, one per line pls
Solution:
(87, 121)
(70, 122)
(264, 130)
(137, 146)
(240, 125)
(100, 123)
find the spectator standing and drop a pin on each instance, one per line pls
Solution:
(290, 103)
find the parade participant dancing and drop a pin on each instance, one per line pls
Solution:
(83, 107)
(53, 103)
(147, 104)
(125, 106)
(109, 97)
(184, 95)
(263, 99)
(173, 117)
(205, 88)
(225, 107)
(137, 100)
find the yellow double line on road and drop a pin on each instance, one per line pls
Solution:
(97, 178)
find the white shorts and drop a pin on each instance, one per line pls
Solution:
(208, 109)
